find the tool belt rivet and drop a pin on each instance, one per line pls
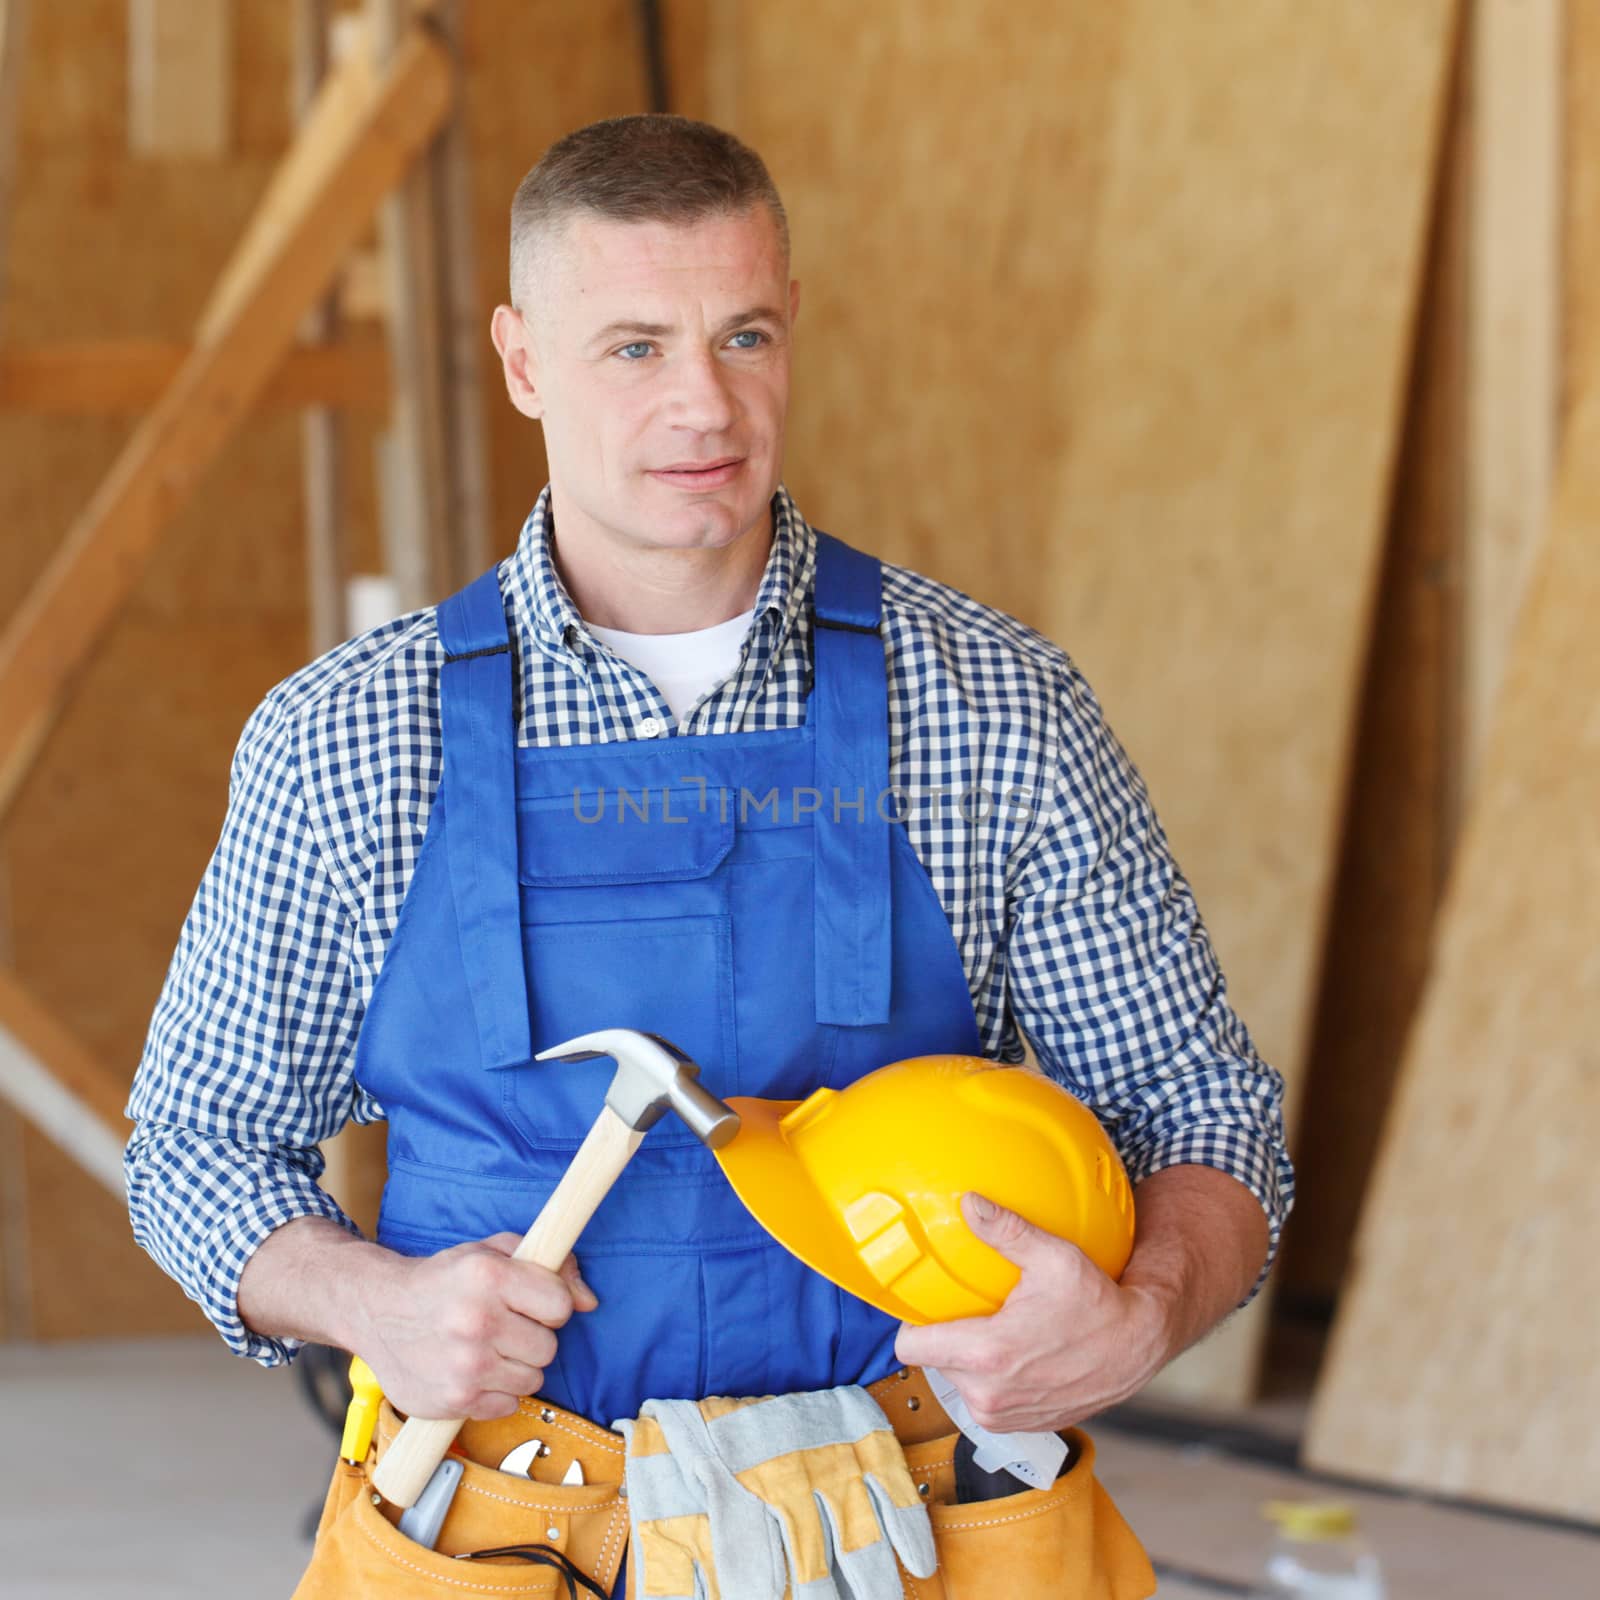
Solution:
(913, 1404)
(923, 1489)
(552, 1534)
(547, 1415)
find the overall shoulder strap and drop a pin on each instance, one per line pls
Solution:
(479, 787)
(850, 711)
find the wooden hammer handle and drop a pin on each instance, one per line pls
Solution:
(422, 1442)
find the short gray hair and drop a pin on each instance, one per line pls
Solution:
(652, 167)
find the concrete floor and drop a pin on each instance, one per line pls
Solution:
(167, 1468)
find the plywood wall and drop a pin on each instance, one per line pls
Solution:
(1106, 318)
(108, 840)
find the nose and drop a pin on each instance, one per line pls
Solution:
(703, 399)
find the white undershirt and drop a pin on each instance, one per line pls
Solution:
(683, 666)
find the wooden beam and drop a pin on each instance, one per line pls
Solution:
(1513, 330)
(92, 379)
(414, 457)
(362, 135)
(467, 515)
(59, 1086)
(180, 77)
(322, 451)
(322, 476)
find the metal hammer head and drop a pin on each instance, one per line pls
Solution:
(653, 1077)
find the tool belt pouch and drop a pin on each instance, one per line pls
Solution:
(1067, 1542)
(361, 1551)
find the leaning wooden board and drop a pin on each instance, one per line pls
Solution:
(1463, 1360)
(1235, 414)
(1106, 315)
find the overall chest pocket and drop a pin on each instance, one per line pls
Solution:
(626, 923)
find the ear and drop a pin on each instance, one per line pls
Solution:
(514, 343)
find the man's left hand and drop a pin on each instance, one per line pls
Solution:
(1069, 1341)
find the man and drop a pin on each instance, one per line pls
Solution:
(650, 334)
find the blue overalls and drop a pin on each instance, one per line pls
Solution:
(746, 896)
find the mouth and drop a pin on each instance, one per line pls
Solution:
(700, 474)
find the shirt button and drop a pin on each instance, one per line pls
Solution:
(650, 727)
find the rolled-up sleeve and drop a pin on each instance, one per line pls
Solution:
(247, 1064)
(1111, 976)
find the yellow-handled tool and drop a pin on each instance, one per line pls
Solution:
(362, 1416)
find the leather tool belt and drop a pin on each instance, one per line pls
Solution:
(1067, 1542)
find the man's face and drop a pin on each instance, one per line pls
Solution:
(648, 349)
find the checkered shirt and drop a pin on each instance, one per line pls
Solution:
(1075, 927)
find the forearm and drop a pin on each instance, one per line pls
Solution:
(202, 1206)
(313, 1280)
(1200, 1245)
(465, 1332)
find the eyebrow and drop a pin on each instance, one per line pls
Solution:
(659, 329)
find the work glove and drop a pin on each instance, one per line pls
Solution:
(746, 1499)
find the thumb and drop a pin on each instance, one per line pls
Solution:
(582, 1295)
(1017, 1239)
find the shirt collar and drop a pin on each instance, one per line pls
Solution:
(537, 592)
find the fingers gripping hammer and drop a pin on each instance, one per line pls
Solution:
(652, 1078)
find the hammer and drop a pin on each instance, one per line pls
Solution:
(653, 1076)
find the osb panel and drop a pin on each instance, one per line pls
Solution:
(942, 195)
(77, 79)
(1513, 332)
(533, 74)
(1479, 1379)
(1105, 318)
(1236, 405)
(1400, 822)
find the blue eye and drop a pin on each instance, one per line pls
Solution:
(638, 345)
(749, 333)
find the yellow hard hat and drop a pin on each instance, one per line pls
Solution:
(864, 1184)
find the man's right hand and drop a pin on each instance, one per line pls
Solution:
(467, 1332)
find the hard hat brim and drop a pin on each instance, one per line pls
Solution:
(778, 1192)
